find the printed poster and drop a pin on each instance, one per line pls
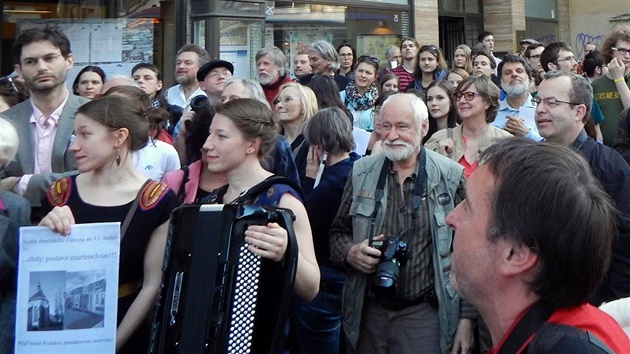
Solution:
(67, 290)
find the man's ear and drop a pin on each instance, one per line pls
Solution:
(551, 66)
(517, 258)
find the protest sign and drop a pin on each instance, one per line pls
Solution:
(67, 290)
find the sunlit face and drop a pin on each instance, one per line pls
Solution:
(482, 66)
(318, 63)
(514, 79)
(234, 91)
(215, 80)
(43, 67)
(438, 102)
(427, 62)
(474, 256)
(364, 76)
(622, 45)
(345, 54)
(186, 68)
(268, 71)
(460, 59)
(94, 145)
(555, 122)
(474, 109)
(226, 146)
(409, 50)
(454, 79)
(566, 61)
(400, 134)
(148, 81)
(90, 84)
(301, 65)
(288, 107)
(390, 85)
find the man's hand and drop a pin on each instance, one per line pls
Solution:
(8, 183)
(464, 340)
(516, 126)
(186, 116)
(364, 258)
(616, 69)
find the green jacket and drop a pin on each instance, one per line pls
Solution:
(444, 177)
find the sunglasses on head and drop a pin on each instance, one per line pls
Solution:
(370, 58)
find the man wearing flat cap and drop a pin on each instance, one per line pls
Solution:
(212, 77)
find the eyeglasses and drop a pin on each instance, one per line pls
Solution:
(569, 58)
(468, 96)
(551, 101)
(217, 74)
(622, 51)
(7, 81)
(346, 55)
(367, 57)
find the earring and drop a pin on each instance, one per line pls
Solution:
(117, 156)
(250, 150)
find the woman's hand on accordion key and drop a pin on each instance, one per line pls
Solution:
(268, 241)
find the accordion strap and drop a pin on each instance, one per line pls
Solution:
(263, 186)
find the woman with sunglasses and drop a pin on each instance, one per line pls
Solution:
(430, 66)
(477, 100)
(360, 94)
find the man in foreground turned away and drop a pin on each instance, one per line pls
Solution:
(45, 121)
(530, 248)
(397, 298)
(563, 104)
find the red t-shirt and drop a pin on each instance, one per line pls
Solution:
(587, 318)
(404, 78)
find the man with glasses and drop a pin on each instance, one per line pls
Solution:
(559, 56)
(612, 91)
(564, 101)
(212, 77)
(45, 121)
(532, 56)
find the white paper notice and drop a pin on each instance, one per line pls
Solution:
(67, 294)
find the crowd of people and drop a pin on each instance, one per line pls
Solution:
(439, 208)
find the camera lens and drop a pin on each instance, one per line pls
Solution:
(385, 279)
(199, 103)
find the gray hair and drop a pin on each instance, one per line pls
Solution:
(418, 108)
(253, 88)
(9, 142)
(276, 55)
(327, 51)
(331, 130)
(389, 49)
(581, 92)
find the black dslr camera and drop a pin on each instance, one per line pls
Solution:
(393, 255)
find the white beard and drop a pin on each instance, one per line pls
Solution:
(397, 154)
(516, 91)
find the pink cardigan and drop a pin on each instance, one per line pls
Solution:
(174, 180)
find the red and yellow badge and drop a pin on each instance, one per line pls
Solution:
(151, 194)
(59, 192)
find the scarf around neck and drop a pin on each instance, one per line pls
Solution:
(364, 101)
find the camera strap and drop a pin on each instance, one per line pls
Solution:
(416, 198)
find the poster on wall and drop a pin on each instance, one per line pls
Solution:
(115, 45)
(300, 38)
(67, 292)
(234, 44)
(375, 45)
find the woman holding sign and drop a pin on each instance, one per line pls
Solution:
(108, 188)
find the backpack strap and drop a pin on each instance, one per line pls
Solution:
(524, 330)
(59, 192)
(265, 185)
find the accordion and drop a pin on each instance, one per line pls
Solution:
(217, 296)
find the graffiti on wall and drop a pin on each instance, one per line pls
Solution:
(583, 38)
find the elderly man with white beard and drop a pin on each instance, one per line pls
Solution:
(397, 296)
(516, 110)
(271, 72)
